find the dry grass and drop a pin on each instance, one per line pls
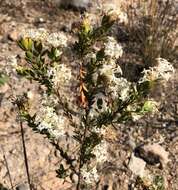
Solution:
(153, 26)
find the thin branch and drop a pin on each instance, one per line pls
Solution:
(81, 158)
(25, 155)
(64, 155)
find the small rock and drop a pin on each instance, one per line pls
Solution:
(14, 35)
(41, 20)
(153, 154)
(78, 4)
(22, 187)
(4, 18)
(131, 143)
(74, 178)
(137, 165)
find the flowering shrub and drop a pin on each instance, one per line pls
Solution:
(85, 92)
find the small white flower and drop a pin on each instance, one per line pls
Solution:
(90, 56)
(101, 130)
(50, 100)
(120, 87)
(150, 74)
(47, 119)
(12, 60)
(123, 18)
(107, 70)
(57, 39)
(90, 176)
(61, 75)
(135, 116)
(100, 151)
(110, 72)
(36, 34)
(113, 49)
(163, 71)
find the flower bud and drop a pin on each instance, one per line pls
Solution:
(26, 43)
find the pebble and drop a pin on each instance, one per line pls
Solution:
(14, 35)
(153, 154)
(22, 187)
(74, 178)
(137, 165)
(76, 3)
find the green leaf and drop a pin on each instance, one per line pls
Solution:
(148, 106)
(100, 55)
(61, 172)
(29, 55)
(38, 46)
(3, 79)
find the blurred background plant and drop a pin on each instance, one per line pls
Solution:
(152, 25)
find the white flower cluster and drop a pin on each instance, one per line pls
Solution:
(113, 49)
(117, 85)
(99, 130)
(61, 75)
(51, 100)
(110, 70)
(57, 39)
(47, 119)
(163, 71)
(88, 58)
(100, 151)
(136, 116)
(90, 176)
(12, 60)
(35, 34)
(121, 87)
(123, 18)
